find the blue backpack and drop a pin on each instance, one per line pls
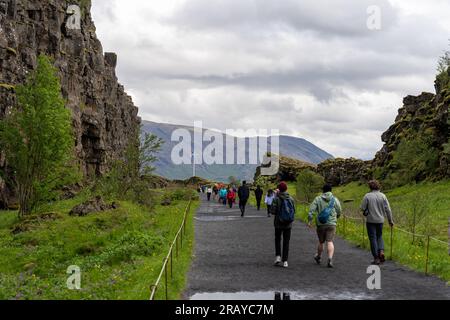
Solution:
(287, 211)
(326, 213)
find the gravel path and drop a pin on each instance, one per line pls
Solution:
(234, 256)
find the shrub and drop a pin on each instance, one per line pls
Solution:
(413, 161)
(309, 185)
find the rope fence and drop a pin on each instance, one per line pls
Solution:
(168, 260)
(429, 239)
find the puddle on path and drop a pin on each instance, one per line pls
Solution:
(226, 218)
(287, 295)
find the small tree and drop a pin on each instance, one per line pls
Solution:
(443, 62)
(309, 185)
(125, 175)
(37, 136)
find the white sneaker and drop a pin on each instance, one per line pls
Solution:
(277, 261)
(285, 264)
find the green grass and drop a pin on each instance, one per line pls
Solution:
(409, 253)
(120, 252)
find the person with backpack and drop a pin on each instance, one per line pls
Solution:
(269, 200)
(375, 207)
(231, 197)
(328, 210)
(244, 195)
(283, 208)
(258, 195)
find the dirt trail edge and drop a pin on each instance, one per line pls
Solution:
(234, 256)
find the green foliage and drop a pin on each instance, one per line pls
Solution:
(120, 252)
(37, 138)
(413, 161)
(126, 179)
(308, 185)
(443, 62)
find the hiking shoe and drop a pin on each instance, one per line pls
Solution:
(376, 262)
(330, 264)
(285, 264)
(382, 258)
(277, 261)
(317, 258)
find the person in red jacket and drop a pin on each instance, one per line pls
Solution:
(231, 197)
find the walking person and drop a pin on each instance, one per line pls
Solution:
(209, 193)
(269, 200)
(244, 194)
(375, 207)
(328, 210)
(223, 195)
(258, 195)
(215, 192)
(231, 197)
(283, 208)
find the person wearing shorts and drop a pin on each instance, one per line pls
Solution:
(325, 231)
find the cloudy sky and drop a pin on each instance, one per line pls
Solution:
(311, 69)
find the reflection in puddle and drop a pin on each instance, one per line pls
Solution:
(287, 295)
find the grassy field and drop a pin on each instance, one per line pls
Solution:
(119, 252)
(430, 201)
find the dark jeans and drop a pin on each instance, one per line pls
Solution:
(286, 233)
(375, 232)
(268, 210)
(224, 201)
(258, 203)
(230, 203)
(209, 196)
(242, 204)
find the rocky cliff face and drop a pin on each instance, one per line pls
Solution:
(342, 171)
(423, 115)
(288, 170)
(104, 116)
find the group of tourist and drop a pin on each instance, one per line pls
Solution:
(325, 210)
(227, 195)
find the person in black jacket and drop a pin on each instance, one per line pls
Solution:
(258, 195)
(244, 194)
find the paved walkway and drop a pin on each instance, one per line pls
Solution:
(234, 256)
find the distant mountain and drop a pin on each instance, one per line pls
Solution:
(292, 147)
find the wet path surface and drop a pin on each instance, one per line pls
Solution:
(234, 260)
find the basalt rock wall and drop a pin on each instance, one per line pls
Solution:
(104, 116)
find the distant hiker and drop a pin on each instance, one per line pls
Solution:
(244, 194)
(328, 210)
(223, 196)
(375, 207)
(209, 193)
(269, 200)
(231, 197)
(258, 194)
(215, 191)
(283, 208)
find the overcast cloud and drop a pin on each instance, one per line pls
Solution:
(309, 68)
